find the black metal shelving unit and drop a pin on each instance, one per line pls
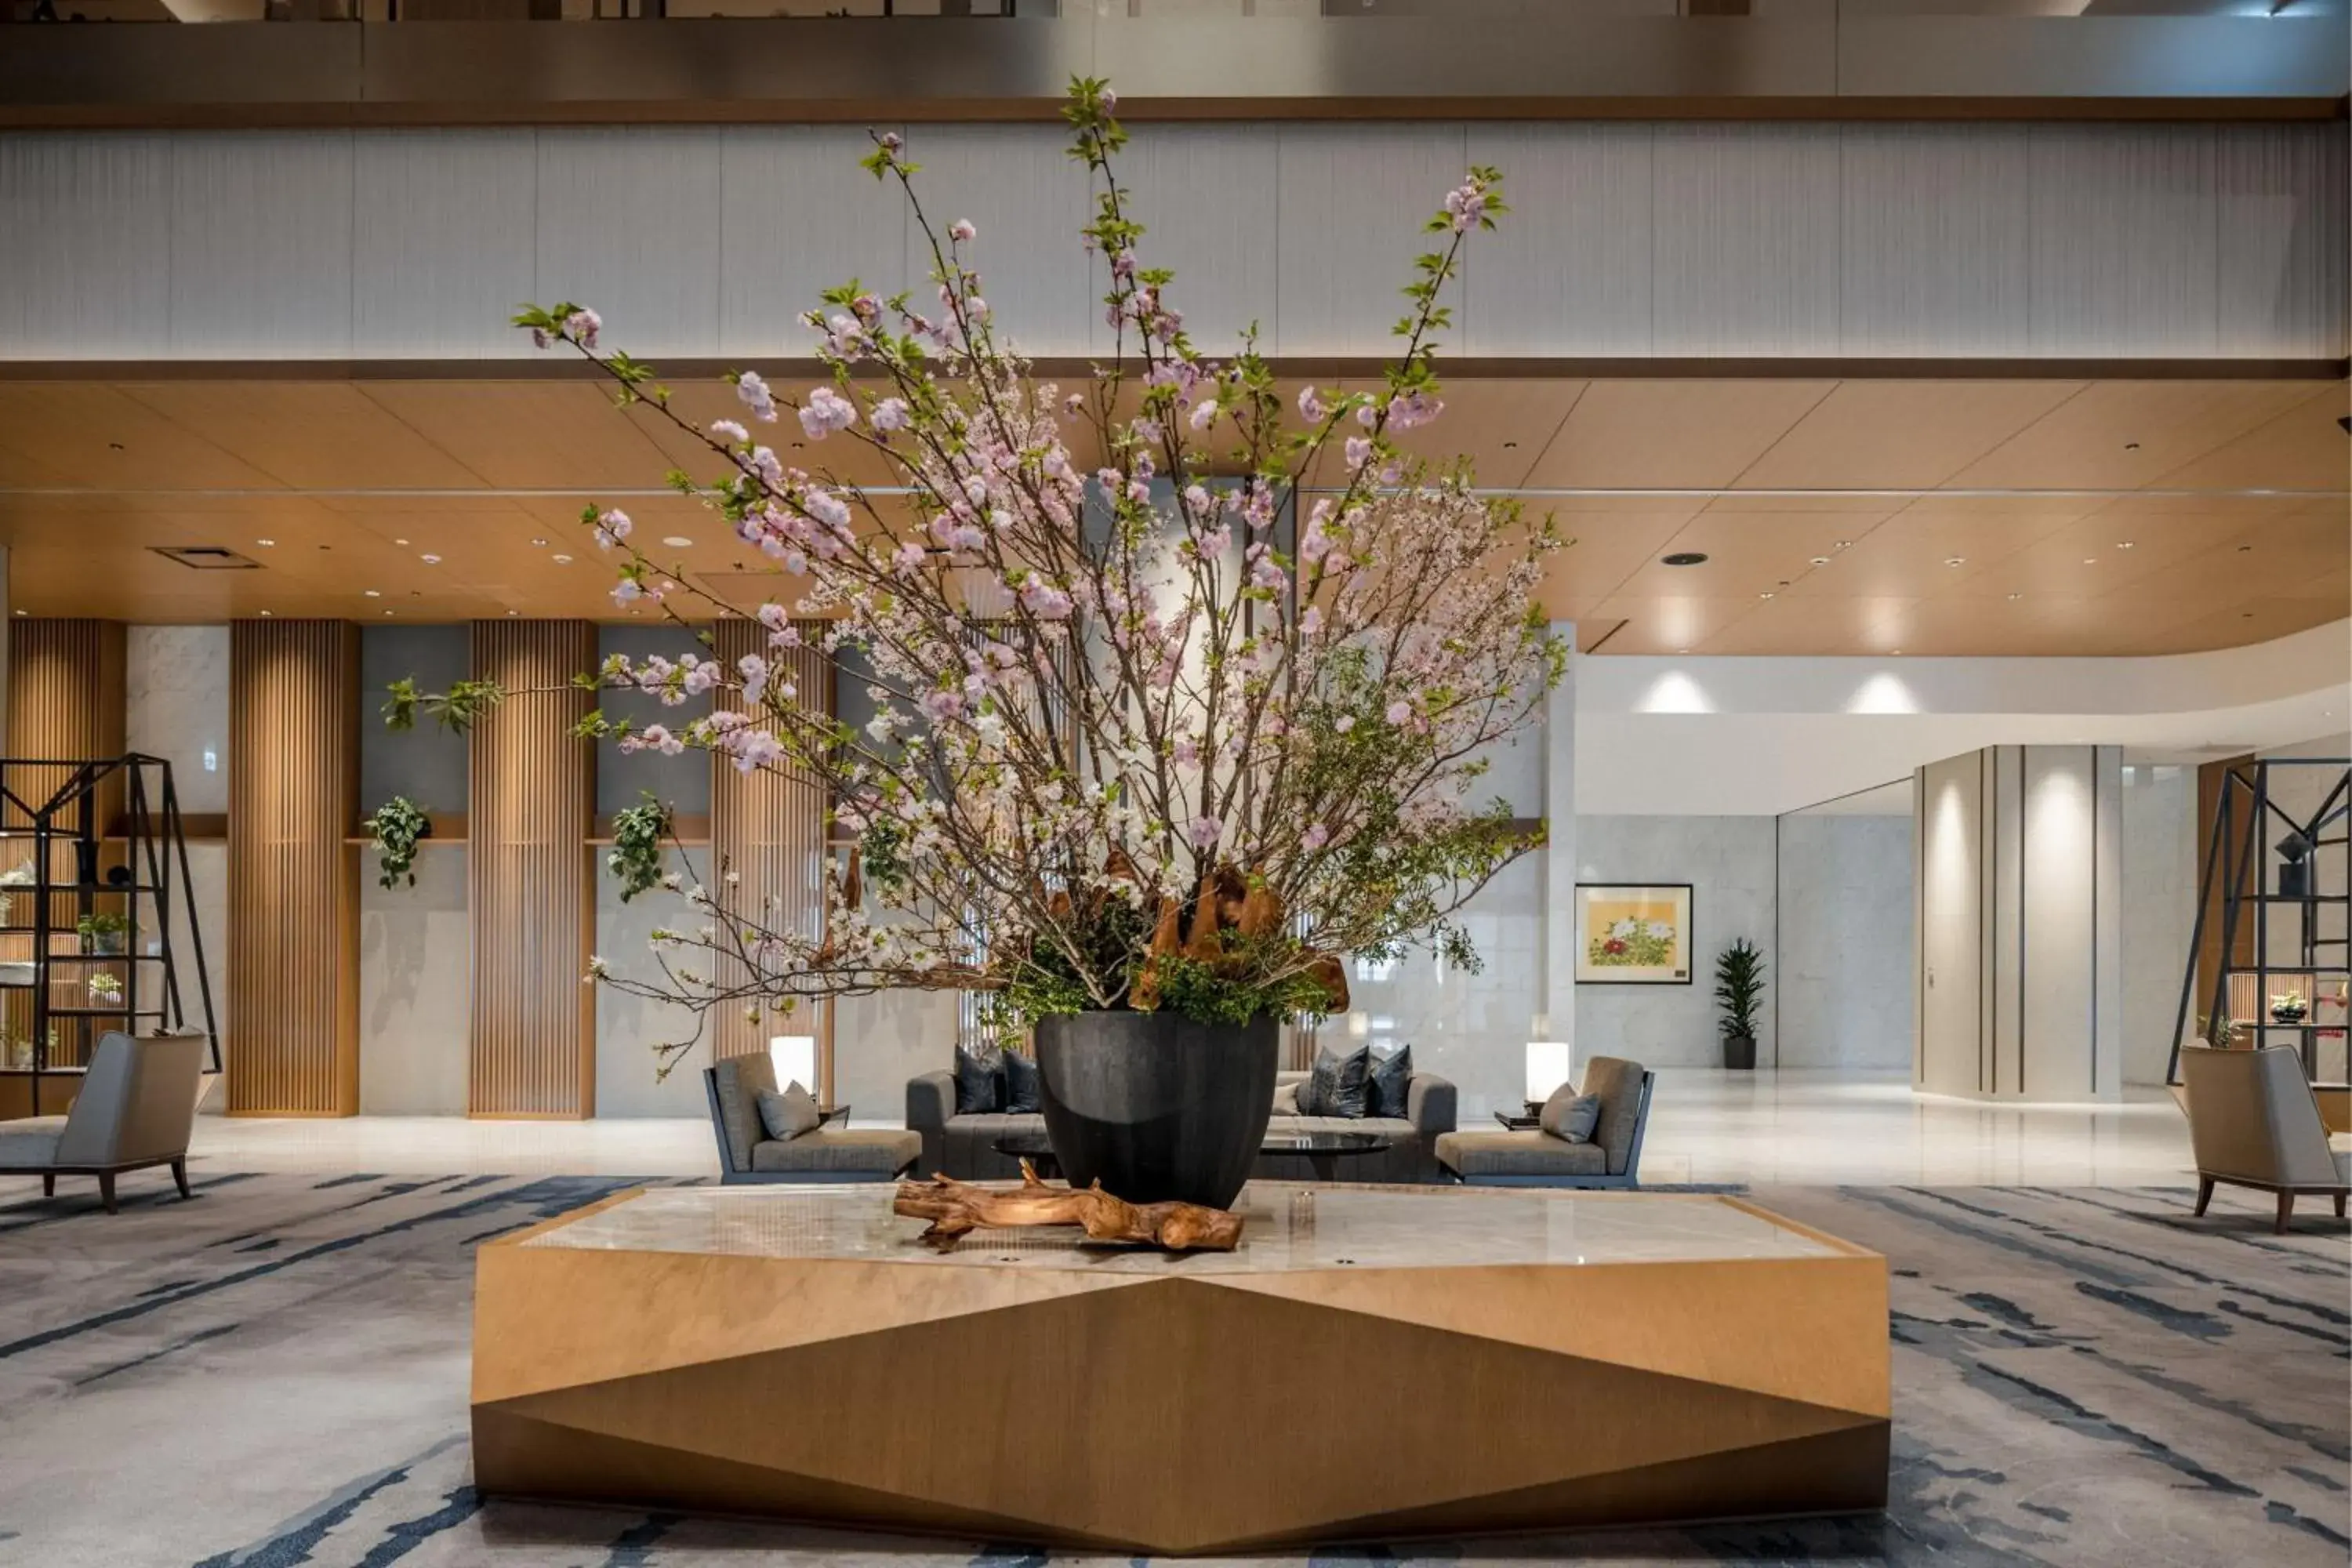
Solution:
(49, 807)
(2244, 873)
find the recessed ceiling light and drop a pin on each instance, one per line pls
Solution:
(562, 560)
(1820, 560)
(680, 542)
(1766, 595)
(265, 615)
(400, 541)
(514, 612)
(2123, 545)
(430, 560)
(387, 612)
(266, 543)
(539, 542)
(375, 592)
(1841, 544)
(1956, 560)
(2017, 595)
(1682, 558)
(2090, 561)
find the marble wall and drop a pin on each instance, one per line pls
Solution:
(1841, 990)
(628, 1028)
(415, 961)
(2159, 912)
(1729, 861)
(175, 706)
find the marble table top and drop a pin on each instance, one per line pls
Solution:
(1288, 1226)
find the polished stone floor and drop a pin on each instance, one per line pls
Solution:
(1707, 1127)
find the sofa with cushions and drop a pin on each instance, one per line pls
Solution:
(962, 1143)
(1589, 1135)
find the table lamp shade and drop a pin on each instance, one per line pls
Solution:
(1547, 1068)
(795, 1059)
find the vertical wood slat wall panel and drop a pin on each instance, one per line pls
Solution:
(293, 883)
(66, 700)
(769, 830)
(531, 796)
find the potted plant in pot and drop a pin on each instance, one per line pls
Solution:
(103, 932)
(1180, 679)
(1739, 992)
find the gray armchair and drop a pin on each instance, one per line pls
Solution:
(2254, 1122)
(136, 1108)
(1533, 1158)
(828, 1153)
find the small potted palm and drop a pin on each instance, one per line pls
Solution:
(1739, 991)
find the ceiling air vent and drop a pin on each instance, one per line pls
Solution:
(207, 557)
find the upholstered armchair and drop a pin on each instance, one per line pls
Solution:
(136, 1108)
(2254, 1122)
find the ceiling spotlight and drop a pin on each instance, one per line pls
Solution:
(387, 612)
(400, 541)
(265, 615)
(562, 560)
(1841, 544)
(430, 560)
(1766, 595)
(2090, 561)
(677, 541)
(1956, 560)
(539, 541)
(265, 543)
(514, 612)
(1682, 558)
(375, 592)
(1820, 560)
(2015, 596)
(2123, 545)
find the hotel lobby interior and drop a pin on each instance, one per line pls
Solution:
(781, 785)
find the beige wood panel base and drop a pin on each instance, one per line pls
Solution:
(1164, 1413)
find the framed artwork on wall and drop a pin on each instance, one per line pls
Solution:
(1630, 933)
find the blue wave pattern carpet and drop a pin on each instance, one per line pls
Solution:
(274, 1375)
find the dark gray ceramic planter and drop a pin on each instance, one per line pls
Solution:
(1155, 1107)
(1739, 1052)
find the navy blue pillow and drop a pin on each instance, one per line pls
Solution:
(980, 1081)
(1339, 1085)
(1391, 1080)
(1024, 1086)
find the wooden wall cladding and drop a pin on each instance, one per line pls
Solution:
(293, 884)
(533, 804)
(769, 828)
(65, 697)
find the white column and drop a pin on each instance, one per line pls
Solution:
(1558, 1021)
(2020, 949)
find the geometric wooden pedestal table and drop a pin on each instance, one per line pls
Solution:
(1373, 1363)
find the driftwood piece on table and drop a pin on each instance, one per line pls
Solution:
(954, 1207)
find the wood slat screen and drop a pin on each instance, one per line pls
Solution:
(66, 698)
(293, 883)
(531, 792)
(769, 830)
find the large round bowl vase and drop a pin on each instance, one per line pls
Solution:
(1156, 1107)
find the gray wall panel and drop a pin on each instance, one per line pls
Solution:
(262, 245)
(85, 246)
(444, 241)
(1207, 197)
(2123, 239)
(1027, 201)
(629, 223)
(774, 262)
(1933, 240)
(1351, 203)
(1746, 239)
(2281, 236)
(1569, 271)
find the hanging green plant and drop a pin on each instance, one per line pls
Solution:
(637, 834)
(397, 826)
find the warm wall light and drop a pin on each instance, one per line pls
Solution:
(1547, 1068)
(795, 1059)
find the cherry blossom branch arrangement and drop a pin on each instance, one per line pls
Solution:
(1165, 725)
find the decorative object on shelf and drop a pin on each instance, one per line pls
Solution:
(103, 932)
(117, 876)
(20, 875)
(954, 1207)
(397, 826)
(638, 834)
(1158, 731)
(1739, 991)
(2218, 1030)
(1629, 934)
(2289, 1007)
(105, 991)
(2294, 865)
(86, 862)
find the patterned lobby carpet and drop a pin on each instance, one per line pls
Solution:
(276, 1376)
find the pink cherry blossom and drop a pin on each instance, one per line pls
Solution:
(727, 430)
(755, 397)
(611, 527)
(825, 412)
(583, 324)
(890, 415)
(1204, 832)
(961, 231)
(1310, 404)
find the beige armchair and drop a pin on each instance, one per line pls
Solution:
(2253, 1123)
(136, 1108)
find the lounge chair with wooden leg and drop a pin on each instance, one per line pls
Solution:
(136, 1108)
(2254, 1122)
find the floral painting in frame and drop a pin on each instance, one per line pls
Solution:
(1632, 934)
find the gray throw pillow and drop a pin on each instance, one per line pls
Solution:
(1024, 1086)
(1339, 1085)
(980, 1081)
(1391, 1079)
(1571, 1116)
(789, 1114)
(1285, 1099)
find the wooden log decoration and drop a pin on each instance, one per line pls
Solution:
(954, 1207)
